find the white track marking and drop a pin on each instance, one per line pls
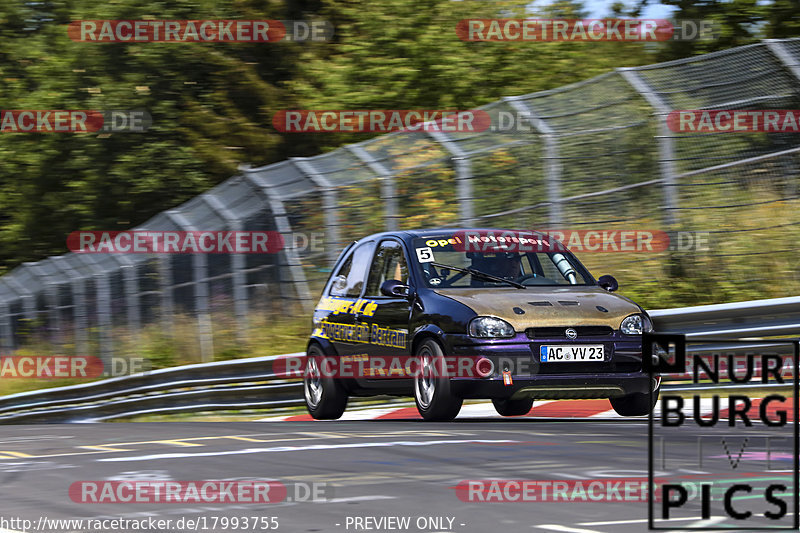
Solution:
(556, 527)
(308, 447)
(641, 521)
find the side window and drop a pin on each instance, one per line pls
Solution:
(349, 280)
(339, 285)
(389, 263)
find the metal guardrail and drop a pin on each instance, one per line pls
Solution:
(252, 384)
(756, 318)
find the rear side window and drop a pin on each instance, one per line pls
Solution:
(349, 279)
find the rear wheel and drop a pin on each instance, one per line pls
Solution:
(431, 389)
(513, 407)
(636, 404)
(325, 397)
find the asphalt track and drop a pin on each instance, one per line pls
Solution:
(377, 468)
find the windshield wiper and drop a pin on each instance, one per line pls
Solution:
(482, 275)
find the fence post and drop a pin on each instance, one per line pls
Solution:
(131, 283)
(784, 56)
(329, 206)
(167, 297)
(79, 315)
(51, 297)
(237, 266)
(281, 219)
(200, 273)
(463, 170)
(26, 297)
(103, 294)
(666, 147)
(7, 344)
(388, 193)
(552, 158)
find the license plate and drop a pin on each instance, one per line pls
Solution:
(571, 354)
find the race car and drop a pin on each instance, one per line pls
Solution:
(452, 314)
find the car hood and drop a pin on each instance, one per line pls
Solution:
(546, 307)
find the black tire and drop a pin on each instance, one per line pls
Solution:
(325, 397)
(636, 404)
(431, 390)
(513, 407)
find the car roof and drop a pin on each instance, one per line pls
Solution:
(407, 235)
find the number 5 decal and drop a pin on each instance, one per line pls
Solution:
(425, 255)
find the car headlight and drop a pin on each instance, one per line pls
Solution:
(635, 325)
(490, 327)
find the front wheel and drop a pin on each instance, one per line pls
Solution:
(325, 397)
(513, 407)
(432, 389)
(635, 404)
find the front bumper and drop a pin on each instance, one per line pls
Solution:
(618, 375)
(573, 386)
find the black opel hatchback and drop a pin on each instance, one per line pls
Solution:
(450, 314)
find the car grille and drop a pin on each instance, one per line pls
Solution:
(558, 332)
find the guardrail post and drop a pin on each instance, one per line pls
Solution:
(388, 193)
(552, 158)
(666, 147)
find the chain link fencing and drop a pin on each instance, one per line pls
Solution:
(596, 155)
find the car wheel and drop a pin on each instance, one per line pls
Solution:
(513, 407)
(432, 390)
(636, 404)
(325, 397)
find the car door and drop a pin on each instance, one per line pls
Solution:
(342, 303)
(388, 316)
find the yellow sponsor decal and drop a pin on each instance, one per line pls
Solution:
(341, 305)
(442, 242)
(361, 333)
(393, 338)
(344, 332)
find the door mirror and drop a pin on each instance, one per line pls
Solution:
(609, 283)
(395, 289)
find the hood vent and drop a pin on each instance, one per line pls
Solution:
(568, 302)
(543, 303)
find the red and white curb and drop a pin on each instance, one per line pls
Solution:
(583, 409)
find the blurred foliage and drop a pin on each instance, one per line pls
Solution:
(212, 104)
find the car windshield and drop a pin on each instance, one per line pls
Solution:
(442, 261)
